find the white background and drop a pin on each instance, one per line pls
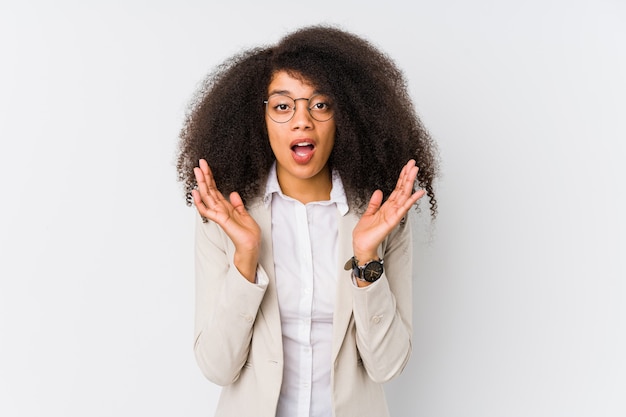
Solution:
(519, 290)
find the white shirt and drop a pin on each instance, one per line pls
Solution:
(304, 239)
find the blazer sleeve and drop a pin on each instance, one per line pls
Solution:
(226, 306)
(383, 310)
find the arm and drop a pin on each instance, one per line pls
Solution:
(227, 298)
(226, 306)
(382, 310)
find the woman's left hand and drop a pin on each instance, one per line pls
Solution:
(379, 220)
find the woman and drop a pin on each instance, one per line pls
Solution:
(303, 274)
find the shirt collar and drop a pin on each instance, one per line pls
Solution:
(337, 193)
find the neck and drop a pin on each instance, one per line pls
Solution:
(316, 188)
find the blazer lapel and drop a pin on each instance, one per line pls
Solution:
(343, 299)
(268, 310)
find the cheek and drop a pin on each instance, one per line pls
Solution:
(330, 135)
(273, 137)
(271, 134)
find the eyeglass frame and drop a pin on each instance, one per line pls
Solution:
(293, 113)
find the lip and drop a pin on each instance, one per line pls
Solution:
(302, 140)
(302, 159)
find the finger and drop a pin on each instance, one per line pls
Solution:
(409, 181)
(207, 175)
(203, 189)
(397, 212)
(206, 184)
(197, 201)
(200, 180)
(237, 202)
(403, 173)
(410, 174)
(374, 204)
(414, 198)
(204, 166)
(405, 183)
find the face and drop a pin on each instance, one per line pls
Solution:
(302, 145)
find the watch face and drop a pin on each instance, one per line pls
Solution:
(372, 271)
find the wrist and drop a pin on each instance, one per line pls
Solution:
(360, 283)
(246, 264)
(363, 257)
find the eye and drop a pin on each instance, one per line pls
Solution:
(320, 104)
(280, 104)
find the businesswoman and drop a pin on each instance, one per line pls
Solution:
(302, 159)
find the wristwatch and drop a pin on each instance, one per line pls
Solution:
(370, 272)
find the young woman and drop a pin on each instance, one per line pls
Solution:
(302, 160)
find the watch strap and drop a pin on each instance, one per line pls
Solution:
(371, 271)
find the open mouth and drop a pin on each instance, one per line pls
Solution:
(302, 148)
(302, 152)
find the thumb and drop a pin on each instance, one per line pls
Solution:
(237, 202)
(375, 201)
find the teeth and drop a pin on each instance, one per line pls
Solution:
(303, 144)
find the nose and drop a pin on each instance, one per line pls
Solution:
(302, 118)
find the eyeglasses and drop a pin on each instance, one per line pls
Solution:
(281, 108)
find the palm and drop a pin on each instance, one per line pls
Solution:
(231, 215)
(379, 220)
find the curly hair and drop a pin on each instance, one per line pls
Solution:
(377, 128)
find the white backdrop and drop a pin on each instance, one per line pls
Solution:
(519, 292)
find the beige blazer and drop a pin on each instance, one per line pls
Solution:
(238, 340)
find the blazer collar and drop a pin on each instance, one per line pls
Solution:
(337, 192)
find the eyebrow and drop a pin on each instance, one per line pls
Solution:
(278, 92)
(288, 93)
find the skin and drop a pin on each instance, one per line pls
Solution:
(306, 182)
(303, 182)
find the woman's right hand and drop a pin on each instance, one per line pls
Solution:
(232, 217)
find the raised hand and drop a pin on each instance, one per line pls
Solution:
(231, 216)
(379, 220)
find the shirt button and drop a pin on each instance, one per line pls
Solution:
(248, 318)
(376, 319)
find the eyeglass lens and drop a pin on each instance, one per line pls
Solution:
(281, 108)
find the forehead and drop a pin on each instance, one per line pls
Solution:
(283, 82)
